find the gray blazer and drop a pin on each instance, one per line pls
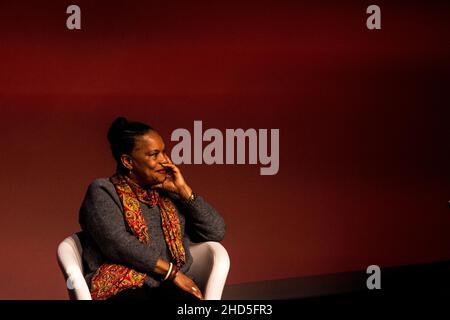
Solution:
(106, 237)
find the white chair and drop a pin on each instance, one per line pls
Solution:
(210, 268)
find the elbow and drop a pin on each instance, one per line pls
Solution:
(219, 235)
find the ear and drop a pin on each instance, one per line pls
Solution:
(127, 162)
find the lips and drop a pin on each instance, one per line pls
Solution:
(161, 171)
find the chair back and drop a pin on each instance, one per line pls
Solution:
(69, 256)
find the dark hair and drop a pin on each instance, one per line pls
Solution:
(122, 136)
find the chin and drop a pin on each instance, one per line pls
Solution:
(160, 177)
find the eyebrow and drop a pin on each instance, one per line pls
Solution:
(153, 150)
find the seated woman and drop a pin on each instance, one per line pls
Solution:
(137, 225)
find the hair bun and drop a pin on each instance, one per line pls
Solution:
(116, 128)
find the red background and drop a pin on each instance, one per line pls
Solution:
(363, 118)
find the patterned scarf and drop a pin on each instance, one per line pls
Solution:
(110, 279)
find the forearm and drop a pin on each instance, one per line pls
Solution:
(185, 193)
(170, 272)
(161, 267)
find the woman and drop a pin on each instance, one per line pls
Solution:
(137, 225)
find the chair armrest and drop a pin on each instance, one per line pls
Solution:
(210, 268)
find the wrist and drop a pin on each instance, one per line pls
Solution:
(174, 273)
(185, 193)
(191, 199)
(171, 273)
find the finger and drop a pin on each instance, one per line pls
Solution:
(172, 168)
(197, 293)
(170, 165)
(156, 186)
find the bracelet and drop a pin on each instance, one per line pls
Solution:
(191, 199)
(168, 272)
(174, 273)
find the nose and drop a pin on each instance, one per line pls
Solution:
(165, 159)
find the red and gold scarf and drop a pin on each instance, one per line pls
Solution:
(110, 279)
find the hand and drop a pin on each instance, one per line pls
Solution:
(185, 283)
(174, 181)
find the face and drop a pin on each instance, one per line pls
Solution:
(146, 158)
